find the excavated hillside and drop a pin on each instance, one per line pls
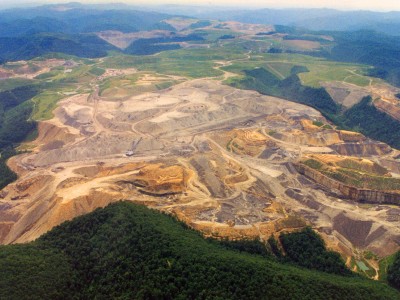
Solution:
(358, 179)
(221, 159)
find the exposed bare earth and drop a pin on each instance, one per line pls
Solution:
(23, 69)
(181, 23)
(123, 40)
(219, 158)
(383, 95)
(344, 93)
(246, 28)
(302, 44)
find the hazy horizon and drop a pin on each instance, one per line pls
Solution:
(383, 5)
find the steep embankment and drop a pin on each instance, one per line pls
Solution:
(353, 193)
(358, 179)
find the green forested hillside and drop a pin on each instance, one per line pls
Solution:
(28, 47)
(32, 32)
(367, 119)
(372, 48)
(78, 18)
(393, 273)
(290, 88)
(32, 272)
(307, 249)
(154, 45)
(363, 46)
(131, 252)
(15, 125)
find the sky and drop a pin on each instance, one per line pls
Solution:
(376, 5)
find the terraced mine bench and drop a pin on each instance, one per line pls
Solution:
(351, 192)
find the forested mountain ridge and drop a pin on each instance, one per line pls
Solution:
(28, 47)
(126, 250)
(317, 19)
(75, 18)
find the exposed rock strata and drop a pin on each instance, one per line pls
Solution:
(353, 193)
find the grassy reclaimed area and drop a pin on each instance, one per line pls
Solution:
(164, 65)
(131, 252)
(191, 63)
(290, 88)
(115, 88)
(12, 83)
(44, 104)
(314, 164)
(319, 69)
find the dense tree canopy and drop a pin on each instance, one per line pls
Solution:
(393, 273)
(307, 249)
(131, 252)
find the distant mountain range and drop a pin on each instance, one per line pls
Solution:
(312, 19)
(326, 19)
(77, 18)
(71, 29)
(68, 28)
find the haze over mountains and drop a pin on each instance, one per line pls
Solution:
(309, 18)
(72, 29)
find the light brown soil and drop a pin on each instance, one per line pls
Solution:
(302, 44)
(123, 40)
(246, 28)
(217, 157)
(344, 93)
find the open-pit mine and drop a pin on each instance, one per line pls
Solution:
(228, 162)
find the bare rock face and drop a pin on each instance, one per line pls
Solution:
(351, 192)
(373, 196)
(362, 149)
(225, 161)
